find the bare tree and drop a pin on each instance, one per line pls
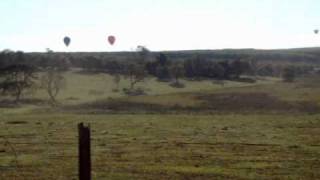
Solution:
(116, 80)
(136, 73)
(53, 81)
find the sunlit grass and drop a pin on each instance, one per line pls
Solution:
(82, 88)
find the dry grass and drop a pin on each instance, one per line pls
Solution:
(164, 146)
(41, 143)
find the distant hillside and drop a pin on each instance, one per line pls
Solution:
(308, 55)
(298, 55)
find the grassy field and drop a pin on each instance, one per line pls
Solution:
(270, 136)
(163, 146)
(82, 88)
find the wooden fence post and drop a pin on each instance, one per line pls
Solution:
(84, 152)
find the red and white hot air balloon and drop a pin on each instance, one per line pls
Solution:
(111, 39)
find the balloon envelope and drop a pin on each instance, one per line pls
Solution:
(111, 39)
(66, 40)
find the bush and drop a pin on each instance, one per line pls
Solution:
(115, 90)
(134, 92)
(245, 80)
(177, 85)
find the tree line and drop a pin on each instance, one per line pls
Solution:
(20, 71)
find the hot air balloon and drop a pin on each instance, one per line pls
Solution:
(316, 31)
(111, 39)
(66, 41)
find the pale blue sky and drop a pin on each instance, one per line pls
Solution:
(34, 25)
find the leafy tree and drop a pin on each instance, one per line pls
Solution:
(177, 71)
(162, 60)
(159, 67)
(218, 71)
(163, 73)
(189, 68)
(266, 70)
(253, 70)
(92, 64)
(238, 68)
(16, 79)
(2, 60)
(227, 69)
(151, 68)
(197, 67)
(113, 67)
(289, 74)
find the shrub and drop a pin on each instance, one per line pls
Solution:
(177, 85)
